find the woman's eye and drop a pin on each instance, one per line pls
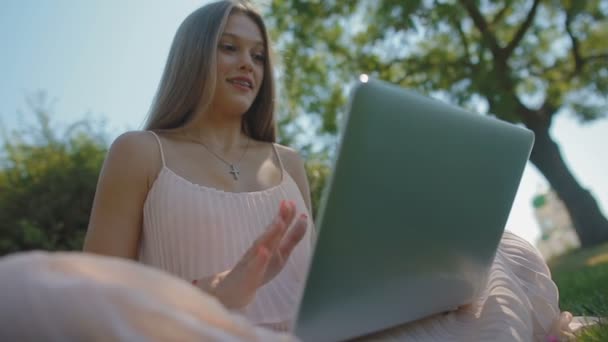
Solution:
(259, 57)
(228, 47)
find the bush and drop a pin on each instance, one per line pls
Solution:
(47, 185)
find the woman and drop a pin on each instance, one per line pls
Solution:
(196, 195)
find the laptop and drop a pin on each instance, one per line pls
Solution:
(412, 215)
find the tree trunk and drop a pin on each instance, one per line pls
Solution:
(589, 223)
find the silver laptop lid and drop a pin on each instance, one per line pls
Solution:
(412, 214)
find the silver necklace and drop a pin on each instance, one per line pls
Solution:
(234, 169)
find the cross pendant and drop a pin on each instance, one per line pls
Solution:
(234, 171)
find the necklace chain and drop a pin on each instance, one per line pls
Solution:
(234, 170)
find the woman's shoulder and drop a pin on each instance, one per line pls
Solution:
(294, 166)
(292, 162)
(289, 156)
(142, 142)
(138, 148)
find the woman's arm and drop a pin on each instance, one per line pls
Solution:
(116, 217)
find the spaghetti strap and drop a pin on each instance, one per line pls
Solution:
(160, 146)
(274, 147)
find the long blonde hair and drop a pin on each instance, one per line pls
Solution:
(188, 81)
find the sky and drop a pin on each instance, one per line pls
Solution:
(104, 59)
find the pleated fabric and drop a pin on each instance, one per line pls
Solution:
(519, 303)
(193, 231)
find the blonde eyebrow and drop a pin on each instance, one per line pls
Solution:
(256, 42)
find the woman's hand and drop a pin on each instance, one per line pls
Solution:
(266, 257)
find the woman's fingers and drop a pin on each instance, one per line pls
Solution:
(287, 210)
(271, 239)
(241, 282)
(294, 236)
(259, 264)
(274, 232)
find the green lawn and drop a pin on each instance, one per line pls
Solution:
(582, 279)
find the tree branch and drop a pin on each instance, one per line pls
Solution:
(482, 26)
(578, 59)
(542, 72)
(521, 31)
(535, 119)
(498, 17)
(548, 110)
(600, 56)
(421, 64)
(465, 43)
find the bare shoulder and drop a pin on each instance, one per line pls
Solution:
(131, 141)
(136, 148)
(290, 157)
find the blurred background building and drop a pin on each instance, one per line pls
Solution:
(557, 234)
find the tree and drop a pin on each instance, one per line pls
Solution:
(47, 183)
(523, 61)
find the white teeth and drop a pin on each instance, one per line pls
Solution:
(243, 83)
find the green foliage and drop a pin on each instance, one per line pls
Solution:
(522, 61)
(47, 184)
(317, 169)
(472, 52)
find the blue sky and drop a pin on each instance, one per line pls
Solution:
(106, 57)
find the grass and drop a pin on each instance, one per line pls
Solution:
(582, 279)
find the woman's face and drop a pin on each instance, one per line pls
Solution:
(240, 65)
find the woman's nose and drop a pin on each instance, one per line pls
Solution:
(246, 62)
